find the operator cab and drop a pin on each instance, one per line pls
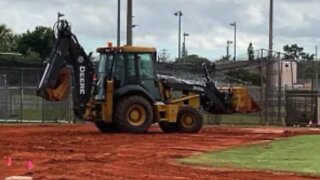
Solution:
(127, 65)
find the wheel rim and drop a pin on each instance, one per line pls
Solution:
(136, 115)
(187, 120)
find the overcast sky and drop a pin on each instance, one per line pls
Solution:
(207, 22)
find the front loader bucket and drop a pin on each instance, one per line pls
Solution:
(61, 91)
(242, 102)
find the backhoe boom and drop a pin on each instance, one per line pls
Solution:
(55, 84)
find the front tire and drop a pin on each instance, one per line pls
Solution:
(133, 114)
(168, 127)
(105, 127)
(189, 120)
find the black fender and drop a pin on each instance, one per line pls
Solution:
(132, 90)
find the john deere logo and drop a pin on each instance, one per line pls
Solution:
(80, 59)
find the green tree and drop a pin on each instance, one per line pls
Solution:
(40, 41)
(306, 61)
(225, 58)
(308, 57)
(6, 39)
(306, 69)
(293, 51)
(195, 59)
(242, 75)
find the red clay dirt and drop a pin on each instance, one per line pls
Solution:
(81, 152)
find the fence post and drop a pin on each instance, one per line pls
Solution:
(318, 108)
(6, 96)
(280, 90)
(261, 89)
(66, 110)
(21, 98)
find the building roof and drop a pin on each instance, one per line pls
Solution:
(127, 49)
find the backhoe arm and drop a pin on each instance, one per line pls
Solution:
(55, 82)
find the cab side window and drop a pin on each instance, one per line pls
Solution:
(131, 65)
(146, 66)
(118, 69)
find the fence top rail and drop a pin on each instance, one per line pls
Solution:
(302, 93)
(18, 87)
(19, 68)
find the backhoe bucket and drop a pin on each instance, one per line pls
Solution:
(242, 102)
(61, 91)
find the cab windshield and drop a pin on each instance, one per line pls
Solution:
(104, 63)
(103, 70)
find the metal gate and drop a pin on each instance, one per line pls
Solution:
(3, 96)
(302, 107)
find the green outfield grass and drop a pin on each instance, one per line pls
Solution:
(299, 154)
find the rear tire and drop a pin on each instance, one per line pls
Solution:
(133, 114)
(168, 127)
(189, 120)
(105, 127)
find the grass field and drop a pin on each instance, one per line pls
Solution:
(299, 154)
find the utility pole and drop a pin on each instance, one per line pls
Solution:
(118, 25)
(129, 22)
(269, 67)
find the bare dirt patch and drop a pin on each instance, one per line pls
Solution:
(81, 152)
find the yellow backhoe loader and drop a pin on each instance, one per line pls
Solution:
(124, 93)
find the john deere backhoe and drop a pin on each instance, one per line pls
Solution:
(124, 93)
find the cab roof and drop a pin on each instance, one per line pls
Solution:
(127, 49)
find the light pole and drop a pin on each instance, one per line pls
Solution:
(132, 27)
(228, 43)
(129, 22)
(235, 39)
(184, 49)
(118, 25)
(179, 14)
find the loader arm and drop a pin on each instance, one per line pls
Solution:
(213, 100)
(55, 82)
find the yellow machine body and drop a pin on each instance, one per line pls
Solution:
(241, 101)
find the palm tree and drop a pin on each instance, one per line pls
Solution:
(6, 38)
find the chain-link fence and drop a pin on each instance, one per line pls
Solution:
(275, 115)
(270, 95)
(19, 103)
(302, 107)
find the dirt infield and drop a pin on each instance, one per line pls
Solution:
(81, 152)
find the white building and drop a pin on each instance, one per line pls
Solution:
(284, 71)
